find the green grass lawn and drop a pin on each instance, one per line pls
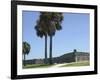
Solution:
(73, 64)
(37, 66)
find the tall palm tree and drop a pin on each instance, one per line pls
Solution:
(26, 50)
(48, 23)
(41, 30)
(54, 24)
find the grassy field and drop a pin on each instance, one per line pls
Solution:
(73, 64)
(37, 66)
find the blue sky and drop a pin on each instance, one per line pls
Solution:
(74, 34)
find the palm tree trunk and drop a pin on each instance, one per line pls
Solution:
(50, 55)
(45, 49)
(24, 59)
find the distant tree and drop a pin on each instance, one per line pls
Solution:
(26, 50)
(74, 50)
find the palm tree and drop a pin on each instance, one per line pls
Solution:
(41, 30)
(26, 50)
(54, 24)
(48, 23)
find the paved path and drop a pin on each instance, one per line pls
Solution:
(58, 65)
